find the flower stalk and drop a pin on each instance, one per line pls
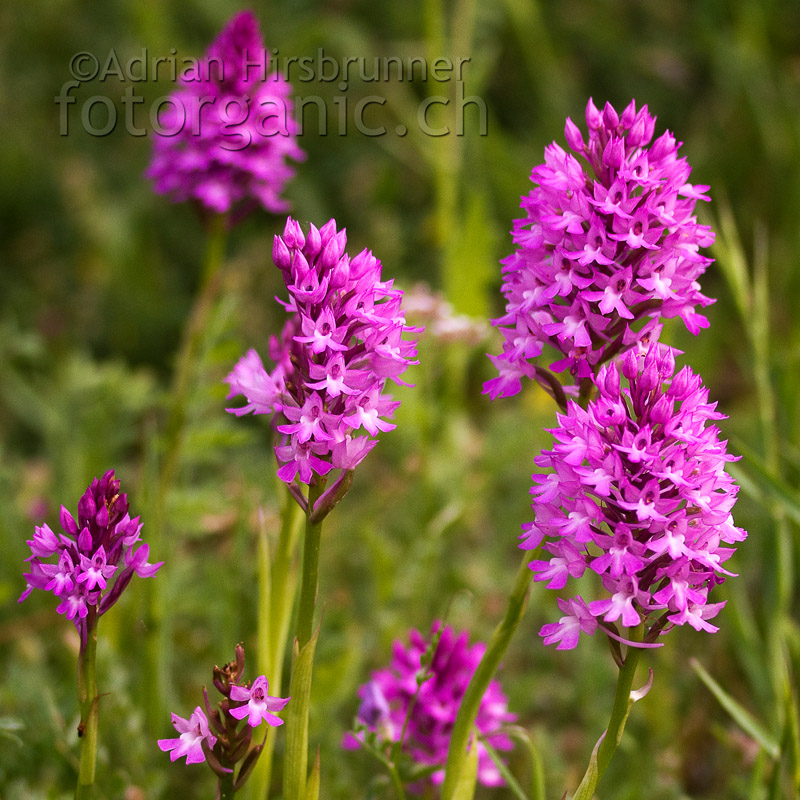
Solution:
(297, 728)
(194, 334)
(624, 698)
(96, 557)
(340, 345)
(221, 734)
(226, 787)
(470, 705)
(226, 164)
(183, 382)
(620, 709)
(88, 700)
(309, 581)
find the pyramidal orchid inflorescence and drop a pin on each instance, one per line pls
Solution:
(342, 342)
(638, 494)
(225, 137)
(418, 696)
(609, 244)
(94, 558)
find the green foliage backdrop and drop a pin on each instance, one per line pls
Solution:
(98, 275)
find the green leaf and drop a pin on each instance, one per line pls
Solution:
(743, 718)
(787, 770)
(793, 733)
(7, 727)
(510, 780)
(312, 788)
(296, 759)
(537, 791)
(585, 790)
(470, 703)
(783, 494)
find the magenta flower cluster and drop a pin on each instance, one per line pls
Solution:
(213, 734)
(420, 695)
(225, 136)
(95, 556)
(608, 245)
(341, 343)
(638, 494)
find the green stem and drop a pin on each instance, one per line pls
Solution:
(619, 711)
(470, 705)
(226, 788)
(88, 700)
(185, 369)
(296, 755)
(389, 763)
(310, 576)
(398, 784)
(281, 600)
(603, 754)
(192, 342)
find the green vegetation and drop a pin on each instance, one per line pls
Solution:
(99, 275)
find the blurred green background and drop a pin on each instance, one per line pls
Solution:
(99, 274)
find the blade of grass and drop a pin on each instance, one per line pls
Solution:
(312, 788)
(791, 743)
(503, 769)
(743, 718)
(730, 258)
(537, 790)
(778, 490)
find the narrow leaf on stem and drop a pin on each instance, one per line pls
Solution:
(296, 758)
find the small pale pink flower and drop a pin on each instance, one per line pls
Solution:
(260, 706)
(193, 732)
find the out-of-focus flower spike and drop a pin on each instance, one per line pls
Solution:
(226, 138)
(419, 694)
